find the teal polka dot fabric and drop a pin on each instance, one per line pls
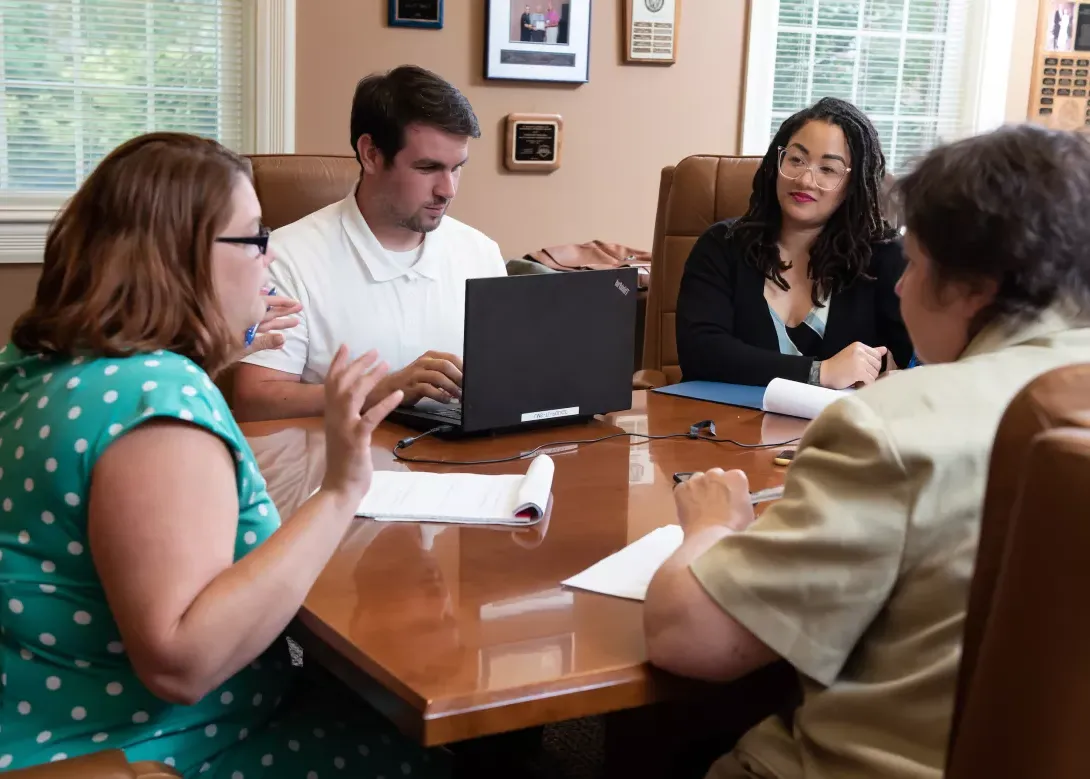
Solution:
(66, 685)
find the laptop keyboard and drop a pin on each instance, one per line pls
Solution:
(453, 414)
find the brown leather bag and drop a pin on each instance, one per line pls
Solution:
(594, 255)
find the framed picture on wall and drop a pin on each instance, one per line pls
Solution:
(427, 14)
(538, 40)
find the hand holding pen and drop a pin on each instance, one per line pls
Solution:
(279, 312)
(716, 498)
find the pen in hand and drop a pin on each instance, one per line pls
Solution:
(760, 496)
(252, 332)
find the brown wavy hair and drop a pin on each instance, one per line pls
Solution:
(128, 266)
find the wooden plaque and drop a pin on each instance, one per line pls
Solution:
(1060, 90)
(651, 29)
(534, 142)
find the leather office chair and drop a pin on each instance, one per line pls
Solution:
(290, 186)
(693, 195)
(110, 764)
(1023, 693)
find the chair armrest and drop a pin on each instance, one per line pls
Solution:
(648, 379)
(108, 764)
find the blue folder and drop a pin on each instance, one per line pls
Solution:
(729, 394)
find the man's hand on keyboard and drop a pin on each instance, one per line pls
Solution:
(435, 375)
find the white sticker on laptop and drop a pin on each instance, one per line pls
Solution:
(556, 413)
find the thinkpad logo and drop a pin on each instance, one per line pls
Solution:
(619, 285)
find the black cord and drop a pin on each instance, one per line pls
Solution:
(694, 434)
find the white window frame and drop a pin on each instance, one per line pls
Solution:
(268, 92)
(985, 70)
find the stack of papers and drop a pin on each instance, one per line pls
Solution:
(627, 573)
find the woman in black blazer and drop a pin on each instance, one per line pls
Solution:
(802, 287)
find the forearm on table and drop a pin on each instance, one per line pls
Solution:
(242, 611)
(709, 356)
(278, 399)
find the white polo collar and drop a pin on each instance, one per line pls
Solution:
(377, 259)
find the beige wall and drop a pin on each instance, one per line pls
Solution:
(1021, 73)
(620, 129)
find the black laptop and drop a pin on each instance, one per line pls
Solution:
(540, 349)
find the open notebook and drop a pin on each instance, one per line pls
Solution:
(464, 498)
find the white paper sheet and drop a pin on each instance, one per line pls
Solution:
(798, 400)
(627, 573)
(466, 498)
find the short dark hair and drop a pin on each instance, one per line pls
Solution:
(842, 253)
(1009, 206)
(386, 103)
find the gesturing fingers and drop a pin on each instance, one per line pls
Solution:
(364, 378)
(277, 323)
(343, 373)
(381, 410)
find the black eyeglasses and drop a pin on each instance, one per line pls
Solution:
(261, 240)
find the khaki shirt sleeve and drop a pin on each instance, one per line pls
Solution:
(812, 572)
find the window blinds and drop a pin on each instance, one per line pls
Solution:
(81, 76)
(901, 61)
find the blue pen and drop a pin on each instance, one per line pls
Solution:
(251, 334)
(914, 361)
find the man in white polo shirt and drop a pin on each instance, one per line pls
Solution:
(382, 269)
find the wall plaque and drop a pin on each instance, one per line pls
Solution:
(426, 14)
(1060, 89)
(651, 28)
(534, 142)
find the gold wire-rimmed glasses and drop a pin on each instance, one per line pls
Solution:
(827, 175)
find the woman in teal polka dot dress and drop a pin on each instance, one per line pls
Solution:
(145, 576)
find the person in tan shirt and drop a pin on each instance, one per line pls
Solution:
(859, 576)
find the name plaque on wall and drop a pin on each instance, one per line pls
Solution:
(534, 142)
(1060, 89)
(651, 28)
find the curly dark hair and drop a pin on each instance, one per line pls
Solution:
(841, 254)
(1008, 206)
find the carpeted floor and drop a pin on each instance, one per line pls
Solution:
(566, 750)
(576, 748)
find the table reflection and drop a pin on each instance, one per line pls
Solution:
(455, 621)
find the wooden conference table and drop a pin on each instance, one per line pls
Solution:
(458, 632)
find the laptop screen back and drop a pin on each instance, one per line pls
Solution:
(548, 346)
